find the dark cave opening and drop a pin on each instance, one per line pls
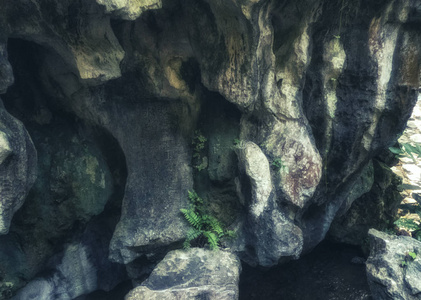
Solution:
(57, 210)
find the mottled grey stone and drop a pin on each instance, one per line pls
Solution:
(193, 274)
(387, 278)
(270, 234)
(17, 172)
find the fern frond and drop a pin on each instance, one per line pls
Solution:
(194, 198)
(191, 235)
(230, 234)
(214, 225)
(194, 219)
(213, 239)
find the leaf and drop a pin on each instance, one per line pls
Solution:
(406, 223)
(215, 226)
(395, 150)
(413, 255)
(405, 186)
(409, 149)
(212, 239)
(194, 219)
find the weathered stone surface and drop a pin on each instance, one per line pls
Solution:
(17, 167)
(375, 209)
(316, 87)
(74, 184)
(192, 274)
(270, 233)
(6, 73)
(366, 96)
(77, 31)
(129, 9)
(82, 268)
(159, 177)
(387, 278)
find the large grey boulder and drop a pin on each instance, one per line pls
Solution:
(193, 274)
(18, 162)
(389, 278)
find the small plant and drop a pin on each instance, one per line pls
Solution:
(205, 229)
(409, 257)
(278, 165)
(198, 143)
(407, 150)
(407, 223)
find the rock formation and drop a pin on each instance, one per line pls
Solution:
(394, 268)
(193, 274)
(294, 100)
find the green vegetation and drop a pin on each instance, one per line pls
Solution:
(407, 150)
(237, 142)
(198, 142)
(205, 229)
(278, 165)
(409, 257)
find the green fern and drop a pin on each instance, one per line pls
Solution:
(214, 225)
(192, 234)
(213, 239)
(205, 228)
(194, 219)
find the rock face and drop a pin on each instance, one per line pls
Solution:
(376, 208)
(18, 160)
(192, 274)
(388, 276)
(293, 101)
(81, 268)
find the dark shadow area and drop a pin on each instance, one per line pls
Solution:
(327, 273)
(81, 174)
(215, 168)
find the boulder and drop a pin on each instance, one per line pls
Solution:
(394, 267)
(193, 274)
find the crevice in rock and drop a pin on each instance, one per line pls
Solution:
(219, 122)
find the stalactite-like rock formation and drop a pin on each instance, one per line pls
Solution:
(294, 98)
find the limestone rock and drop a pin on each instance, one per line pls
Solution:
(76, 31)
(82, 268)
(317, 88)
(6, 74)
(129, 9)
(17, 171)
(192, 274)
(270, 233)
(387, 277)
(374, 209)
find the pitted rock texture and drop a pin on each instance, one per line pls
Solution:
(193, 274)
(314, 90)
(376, 208)
(387, 276)
(18, 159)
